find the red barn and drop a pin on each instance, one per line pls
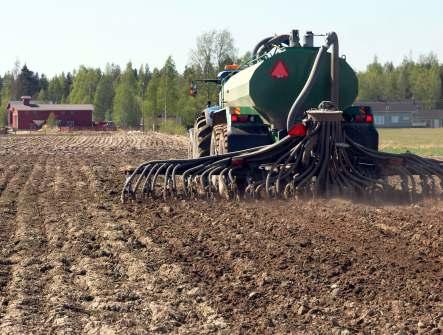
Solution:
(25, 114)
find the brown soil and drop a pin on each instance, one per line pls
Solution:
(75, 260)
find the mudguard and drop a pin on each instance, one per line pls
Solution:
(240, 138)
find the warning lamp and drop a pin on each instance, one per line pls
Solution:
(232, 67)
(235, 110)
(369, 118)
(299, 129)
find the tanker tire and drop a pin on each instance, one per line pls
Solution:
(202, 138)
(219, 141)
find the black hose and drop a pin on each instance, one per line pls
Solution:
(332, 39)
(268, 45)
(259, 45)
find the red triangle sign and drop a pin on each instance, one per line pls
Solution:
(279, 71)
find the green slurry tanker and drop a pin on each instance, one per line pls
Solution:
(255, 99)
(286, 126)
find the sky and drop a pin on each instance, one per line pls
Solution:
(52, 36)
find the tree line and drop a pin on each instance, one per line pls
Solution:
(159, 96)
(420, 81)
(130, 96)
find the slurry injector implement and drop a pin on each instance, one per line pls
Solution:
(286, 126)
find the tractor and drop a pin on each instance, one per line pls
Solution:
(285, 126)
(255, 98)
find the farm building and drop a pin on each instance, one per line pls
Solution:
(398, 114)
(429, 119)
(26, 114)
(403, 114)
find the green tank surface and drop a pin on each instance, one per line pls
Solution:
(271, 85)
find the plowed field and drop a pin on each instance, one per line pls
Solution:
(75, 260)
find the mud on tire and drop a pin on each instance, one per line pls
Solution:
(219, 140)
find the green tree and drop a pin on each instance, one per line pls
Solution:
(103, 99)
(151, 108)
(371, 81)
(43, 84)
(167, 92)
(15, 86)
(84, 85)
(246, 57)
(43, 95)
(390, 82)
(189, 105)
(404, 78)
(67, 85)
(28, 82)
(440, 101)
(56, 90)
(144, 75)
(51, 121)
(420, 80)
(5, 96)
(126, 110)
(426, 85)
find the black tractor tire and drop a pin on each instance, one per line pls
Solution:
(219, 140)
(201, 138)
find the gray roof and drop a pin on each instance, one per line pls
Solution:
(391, 112)
(429, 115)
(394, 106)
(18, 105)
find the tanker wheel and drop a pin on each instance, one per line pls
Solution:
(201, 138)
(219, 140)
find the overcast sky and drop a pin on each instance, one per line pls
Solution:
(52, 36)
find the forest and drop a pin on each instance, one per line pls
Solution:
(158, 97)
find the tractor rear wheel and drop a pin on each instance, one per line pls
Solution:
(201, 138)
(219, 140)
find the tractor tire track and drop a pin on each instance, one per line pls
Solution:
(75, 260)
(252, 259)
(63, 304)
(24, 290)
(151, 275)
(8, 213)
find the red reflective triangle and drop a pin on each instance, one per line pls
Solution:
(279, 71)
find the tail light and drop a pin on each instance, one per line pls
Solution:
(362, 118)
(364, 115)
(242, 118)
(237, 162)
(299, 129)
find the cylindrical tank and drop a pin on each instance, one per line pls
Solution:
(271, 86)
